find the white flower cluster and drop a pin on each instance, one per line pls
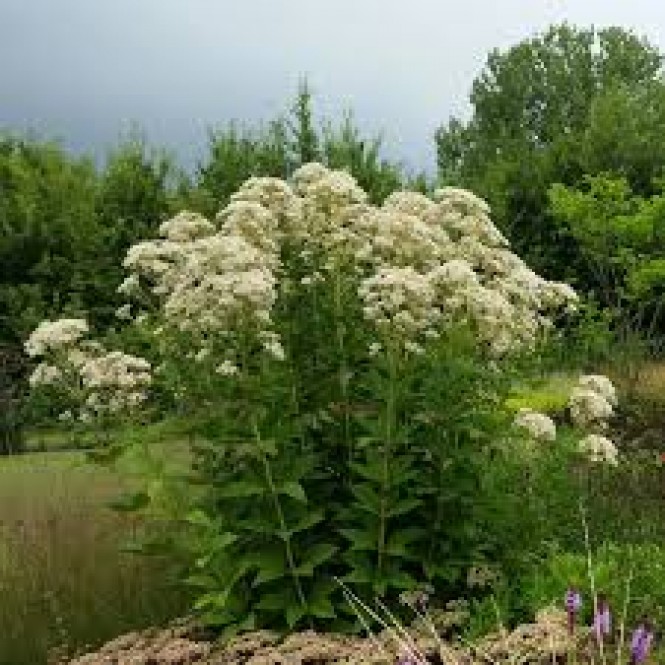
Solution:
(186, 226)
(276, 196)
(103, 382)
(538, 425)
(55, 336)
(45, 375)
(601, 385)
(416, 264)
(399, 302)
(452, 242)
(589, 409)
(218, 285)
(390, 237)
(591, 405)
(115, 382)
(592, 402)
(598, 448)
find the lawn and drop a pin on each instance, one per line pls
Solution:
(63, 580)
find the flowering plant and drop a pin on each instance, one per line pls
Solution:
(342, 364)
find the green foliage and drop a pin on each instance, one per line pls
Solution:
(626, 574)
(50, 241)
(237, 152)
(345, 148)
(553, 109)
(619, 236)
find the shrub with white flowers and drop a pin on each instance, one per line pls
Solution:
(97, 382)
(332, 355)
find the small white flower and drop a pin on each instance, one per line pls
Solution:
(588, 408)
(202, 354)
(227, 368)
(599, 449)
(601, 385)
(538, 425)
(124, 312)
(374, 349)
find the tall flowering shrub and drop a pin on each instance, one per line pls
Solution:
(343, 362)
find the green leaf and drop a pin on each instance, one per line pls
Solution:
(273, 601)
(201, 581)
(271, 565)
(213, 600)
(367, 498)
(403, 507)
(294, 490)
(399, 541)
(360, 539)
(241, 489)
(294, 613)
(315, 556)
(222, 541)
(322, 609)
(307, 522)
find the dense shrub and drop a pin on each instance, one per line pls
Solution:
(345, 368)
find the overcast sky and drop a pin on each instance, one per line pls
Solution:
(82, 70)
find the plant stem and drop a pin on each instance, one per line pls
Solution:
(343, 368)
(624, 610)
(282, 521)
(592, 579)
(387, 450)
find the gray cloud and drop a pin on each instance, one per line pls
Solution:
(81, 70)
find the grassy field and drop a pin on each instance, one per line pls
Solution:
(63, 580)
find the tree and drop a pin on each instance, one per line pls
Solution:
(134, 192)
(235, 154)
(621, 238)
(304, 141)
(539, 114)
(344, 147)
(50, 240)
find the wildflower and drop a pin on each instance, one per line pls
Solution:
(53, 336)
(538, 425)
(375, 349)
(640, 645)
(186, 226)
(600, 384)
(227, 368)
(129, 285)
(573, 604)
(124, 312)
(45, 375)
(588, 408)
(602, 621)
(202, 354)
(599, 449)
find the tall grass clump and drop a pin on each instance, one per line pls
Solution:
(65, 582)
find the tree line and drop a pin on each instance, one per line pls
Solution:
(566, 142)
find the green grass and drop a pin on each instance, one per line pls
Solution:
(63, 579)
(547, 396)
